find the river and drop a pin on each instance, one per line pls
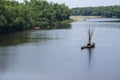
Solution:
(56, 54)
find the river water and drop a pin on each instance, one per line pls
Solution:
(57, 55)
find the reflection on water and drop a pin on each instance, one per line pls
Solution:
(21, 38)
(89, 57)
(7, 56)
(3, 59)
(28, 36)
(64, 26)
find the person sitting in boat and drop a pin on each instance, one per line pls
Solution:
(88, 45)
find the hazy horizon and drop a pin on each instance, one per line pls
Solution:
(85, 3)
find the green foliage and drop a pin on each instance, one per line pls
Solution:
(15, 16)
(108, 11)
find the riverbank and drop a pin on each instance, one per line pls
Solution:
(58, 25)
(82, 18)
(31, 16)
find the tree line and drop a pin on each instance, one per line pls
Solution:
(104, 11)
(15, 16)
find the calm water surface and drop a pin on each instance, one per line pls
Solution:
(57, 54)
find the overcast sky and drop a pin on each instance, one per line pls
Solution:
(85, 3)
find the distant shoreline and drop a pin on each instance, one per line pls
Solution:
(83, 18)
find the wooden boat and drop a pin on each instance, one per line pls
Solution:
(89, 45)
(92, 45)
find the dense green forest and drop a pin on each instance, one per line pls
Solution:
(15, 16)
(104, 11)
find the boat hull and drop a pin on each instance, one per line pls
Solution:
(88, 46)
